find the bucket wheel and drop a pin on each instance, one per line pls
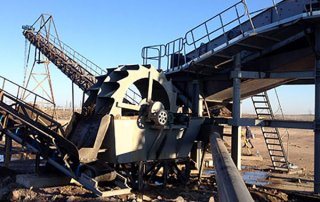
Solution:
(127, 88)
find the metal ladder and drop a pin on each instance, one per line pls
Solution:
(271, 135)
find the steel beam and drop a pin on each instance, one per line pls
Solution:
(269, 123)
(231, 186)
(195, 98)
(276, 46)
(273, 75)
(317, 114)
(236, 129)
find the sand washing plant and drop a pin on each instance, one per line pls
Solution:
(141, 122)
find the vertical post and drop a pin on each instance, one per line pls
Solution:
(8, 145)
(37, 163)
(83, 99)
(205, 145)
(236, 129)
(199, 154)
(72, 96)
(195, 98)
(150, 85)
(200, 106)
(8, 148)
(140, 176)
(317, 114)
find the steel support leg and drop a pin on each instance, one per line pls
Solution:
(83, 99)
(200, 106)
(236, 129)
(317, 115)
(37, 163)
(202, 161)
(140, 176)
(72, 86)
(8, 145)
(8, 148)
(199, 154)
(195, 98)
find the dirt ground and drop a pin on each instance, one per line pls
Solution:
(298, 143)
(263, 183)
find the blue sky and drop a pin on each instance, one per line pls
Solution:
(113, 32)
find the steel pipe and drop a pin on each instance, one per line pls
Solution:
(231, 186)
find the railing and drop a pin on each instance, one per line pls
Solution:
(169, 54)
(153, 53)
(224, 26)
(91, 67)
(133, 97)
(34, 100)
(312, 7)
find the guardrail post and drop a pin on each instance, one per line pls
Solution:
(236, 129)
(248, 14)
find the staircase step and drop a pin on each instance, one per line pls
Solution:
(270, 132)
(260, 101)
(263, 114)
(275, 150)
(270, 135)
(273, 144)
(262, 108)
(285, 166)
(278, 156)
(259, 95)
(281, 168)
(271, 138)
(275, 161)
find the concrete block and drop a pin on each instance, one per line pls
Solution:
(41, 181)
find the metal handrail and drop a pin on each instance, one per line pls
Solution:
(135, 95)
(309, 10)
(190, 39)
(160, 53)
(179, 42)
(91, 67)
(221, 27)
(174, 47)
(21, 91)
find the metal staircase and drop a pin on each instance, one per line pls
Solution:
(29, 109)
(37, 130)
(271, 135)
(26, 123)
